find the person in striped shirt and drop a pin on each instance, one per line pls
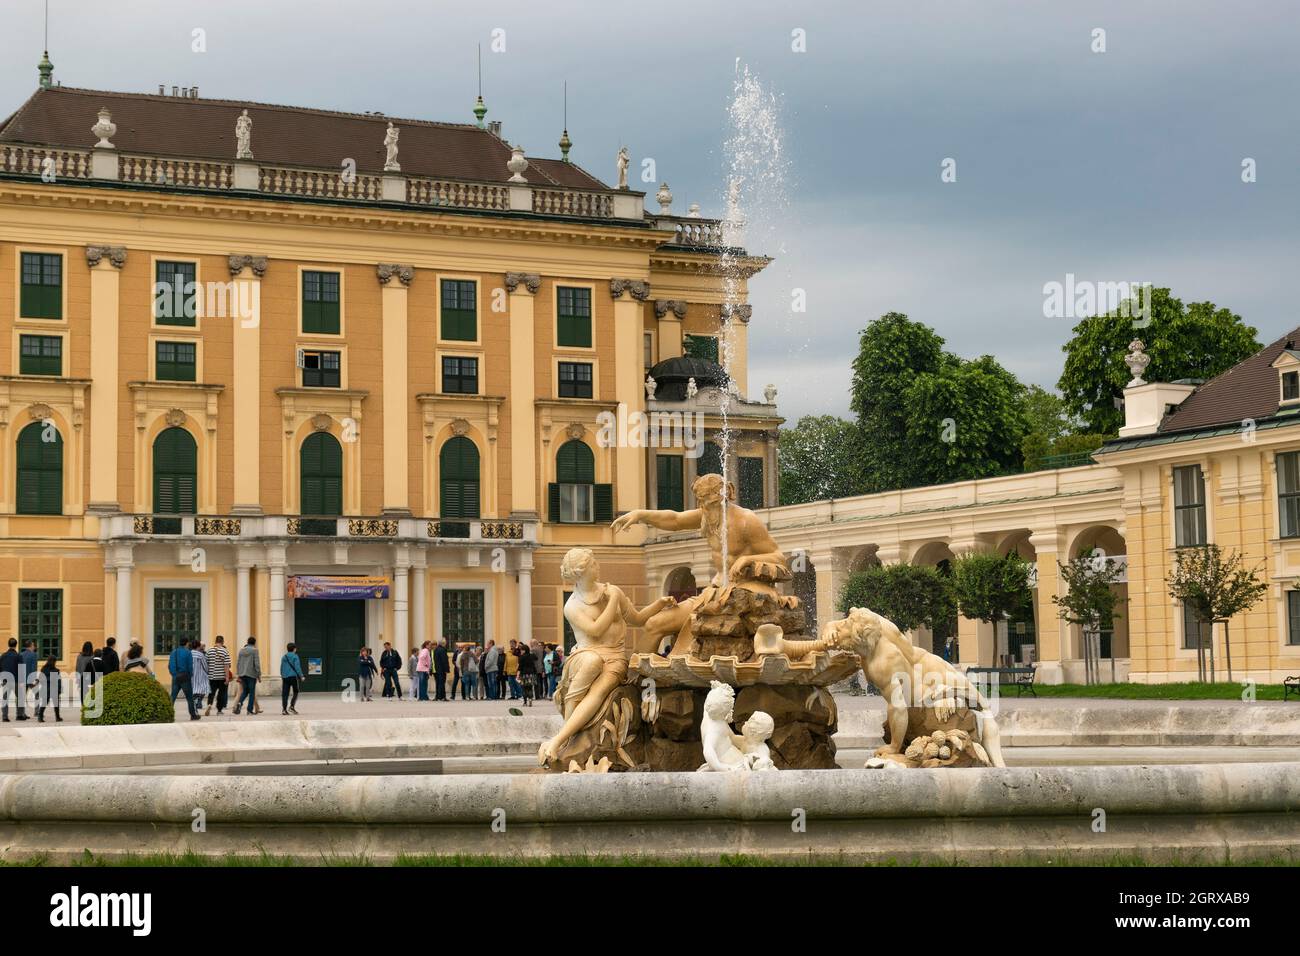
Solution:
(218, 675)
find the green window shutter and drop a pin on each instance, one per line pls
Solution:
(40, 355)
(710, 462)
(40, 472)
(320, 302)
(603, 503)
(40, 619)
(321, 475)
(175, 294)
(175, 472)
(459, 299)
(553, 502)
(174, 361)
(42, 286)
(670, 490)
(458, 464)
(701, 347)
(751, 483)
(573, 317)
(575, 464)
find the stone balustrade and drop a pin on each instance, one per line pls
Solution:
(147, 527)
(31, 161)
(186, 173)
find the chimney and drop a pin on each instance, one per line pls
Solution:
(162, 89)
(1147, 403)
(494, 127)
(176, 90)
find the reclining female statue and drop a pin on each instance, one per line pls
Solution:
(599, 615)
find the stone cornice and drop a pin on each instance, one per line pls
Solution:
(639, 288)
(116, 255)
(702, 263)
(531, 280)
(386, 271)
(238, 263)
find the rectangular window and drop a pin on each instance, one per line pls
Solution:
(648, 348)
(701, 347)
(174, 361)
(459, 375)
(1290, 386)
(459, 310)
(1293, 617)
(42, 286)
(670, 490)
(176, 618)
(1189, 507)
(462, 616)
(577, 504)
(1288, 494)
(320, 303)
(40, 619)
(320, 369)
(573, 317)
(1192, 628)
(751, 483)
(175, 293)
(575, 379)
(40, 355)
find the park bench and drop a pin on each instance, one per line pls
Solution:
(1021, 677)
(1290, 685)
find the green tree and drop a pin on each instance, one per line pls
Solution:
(990, 587)
(818, 460)
(1089, 600)
(1198, 340)
(911, 596)
(1218, 588)
(926, 416)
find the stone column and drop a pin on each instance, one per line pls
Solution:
(524, 595)
(401, 597)
(669, 313)
(396, 398)
(977, 639)
(831, 566)
(105, 267)
(124, 628)
(524, 472)
(243, 605)
(629, 387)
(739, 316)
(246, 320)
(772, 470)
(1053, 634)
(277, 638)
(418, 583)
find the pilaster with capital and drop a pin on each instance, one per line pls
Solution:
(246, 273)
(629, 386)
(524, 471)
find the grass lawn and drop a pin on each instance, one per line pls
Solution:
(728, 860)
(1187, 691)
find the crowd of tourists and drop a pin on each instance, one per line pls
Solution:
(523, 671)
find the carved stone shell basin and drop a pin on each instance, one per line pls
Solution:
(815, 670)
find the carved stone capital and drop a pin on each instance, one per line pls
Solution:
(676, 306)
(742, 312)
(257, 263)
(116, 255)
(531, 280)
(639, 288)
(387, 270)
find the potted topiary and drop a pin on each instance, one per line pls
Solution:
(127, 697)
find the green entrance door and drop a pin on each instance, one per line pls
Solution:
(332, 632)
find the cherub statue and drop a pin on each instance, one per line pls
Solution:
(725, 751)
(692, 389)
(623, 161)
(650, 386)
(390, 146)
(244, 136)
(757, 562)
(599, 615)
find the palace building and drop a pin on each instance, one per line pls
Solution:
(340, 379)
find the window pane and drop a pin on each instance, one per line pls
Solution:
(40, 619)
(175, 293)
(176, 618)
(1293, 617)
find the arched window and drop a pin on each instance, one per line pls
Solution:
(321, 482)
(574, 497)
(175, 472)
(710, 462)
(458, 474)
(40, 470)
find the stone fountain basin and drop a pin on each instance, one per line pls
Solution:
(815, 670)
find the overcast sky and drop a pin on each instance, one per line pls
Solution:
(1122, 165)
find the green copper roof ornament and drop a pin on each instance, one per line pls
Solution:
(480, 110)
(46, 69)
(565, 145)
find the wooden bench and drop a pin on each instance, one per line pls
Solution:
(1290, 685)
(1021, 677)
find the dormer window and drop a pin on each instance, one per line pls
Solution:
(1287, 364)
(1291, 386)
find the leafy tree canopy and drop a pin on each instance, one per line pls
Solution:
(911, 596)
(818, 458)
(990, 586)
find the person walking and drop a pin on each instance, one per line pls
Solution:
(109, 661)
(413, 672)
(181, 666)
(480, 660)
(291, 678)
(136, 660)
(423, 666)
(10, 685)
(510, 668)
(492, 669)
(390, 665)
(441, 665)
(199, 683)
(218, 675)
(454, 656)
(468, 674)
(248, 668)
(48, 689)
(366, 671)
(30, 670)
(528, 673)
(84, 668)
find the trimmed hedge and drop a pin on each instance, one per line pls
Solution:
(129, 698)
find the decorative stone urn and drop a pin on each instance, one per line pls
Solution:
(517, 164)
(1137, 361)
(104, 129)
(665, 199)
